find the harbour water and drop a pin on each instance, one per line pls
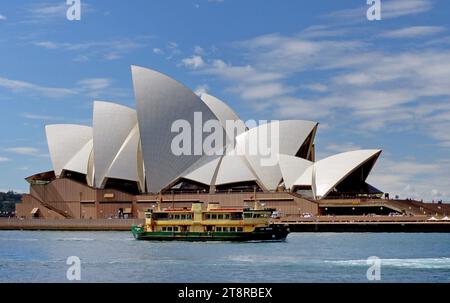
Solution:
(40, 256)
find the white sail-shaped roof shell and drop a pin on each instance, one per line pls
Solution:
(234, 169)
(295, 171)
(324, 175)
(69, 147)
(79, 163)
(244, 163)
(128, 165)
(160, 102)
(224, 113)
(329, 172)
(116, 141)
(280, 137)
(203, 170)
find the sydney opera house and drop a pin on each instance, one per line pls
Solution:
(124, 162)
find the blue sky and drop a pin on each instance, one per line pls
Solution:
(380, 84)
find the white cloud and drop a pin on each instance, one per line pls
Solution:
(172, 49)
(438, 194)
(412, 178)
(342, 147)
(112, 56)
(193, 62)
(158, 51)
(47, 44)
(107, 50)
(81, 58)
(262, 91)
(4, 159)
(413, 32)
(248, 82)
(317, 87)
(94, 84)
(247, 73)
(32, 151)
(287, 107)
(198, 50)
(322, 31)
(49, 12)
(92, 87)
(40, 117)
(99, 87)
(389, 9)
(201, 89)
(375, 89)
(172, 45)
(295, 53)
(27, 87)
(398, 8)
(2, 17)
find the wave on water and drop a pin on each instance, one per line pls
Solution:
(18, 239)
(415, 263)
(121, 239)
(75, 239)
(263, 259)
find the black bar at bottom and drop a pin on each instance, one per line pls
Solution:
(211, 292)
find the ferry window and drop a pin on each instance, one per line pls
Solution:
(247, 215)
(227, 216)
(175, 228)
(183, 217)
(169, 228)
(164, 228)
(240, 229)
(225, 229)
(218, 228)
(177, 217)
(189, 217)
(220, 217)
(214, 216)
(232, 228)
(148, 216)
(255, 215)
(208, 216)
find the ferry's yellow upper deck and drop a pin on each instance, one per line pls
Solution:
(213, 218)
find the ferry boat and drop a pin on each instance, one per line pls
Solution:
(213, 224)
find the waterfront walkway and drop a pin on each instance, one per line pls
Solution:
(67, 224)
(296, 224)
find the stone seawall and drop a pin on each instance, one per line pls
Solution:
(318, 224)
(68, 224)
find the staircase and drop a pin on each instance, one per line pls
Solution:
(51, 207)
(419, 207)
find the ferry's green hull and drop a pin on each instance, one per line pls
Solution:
(272, 233)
